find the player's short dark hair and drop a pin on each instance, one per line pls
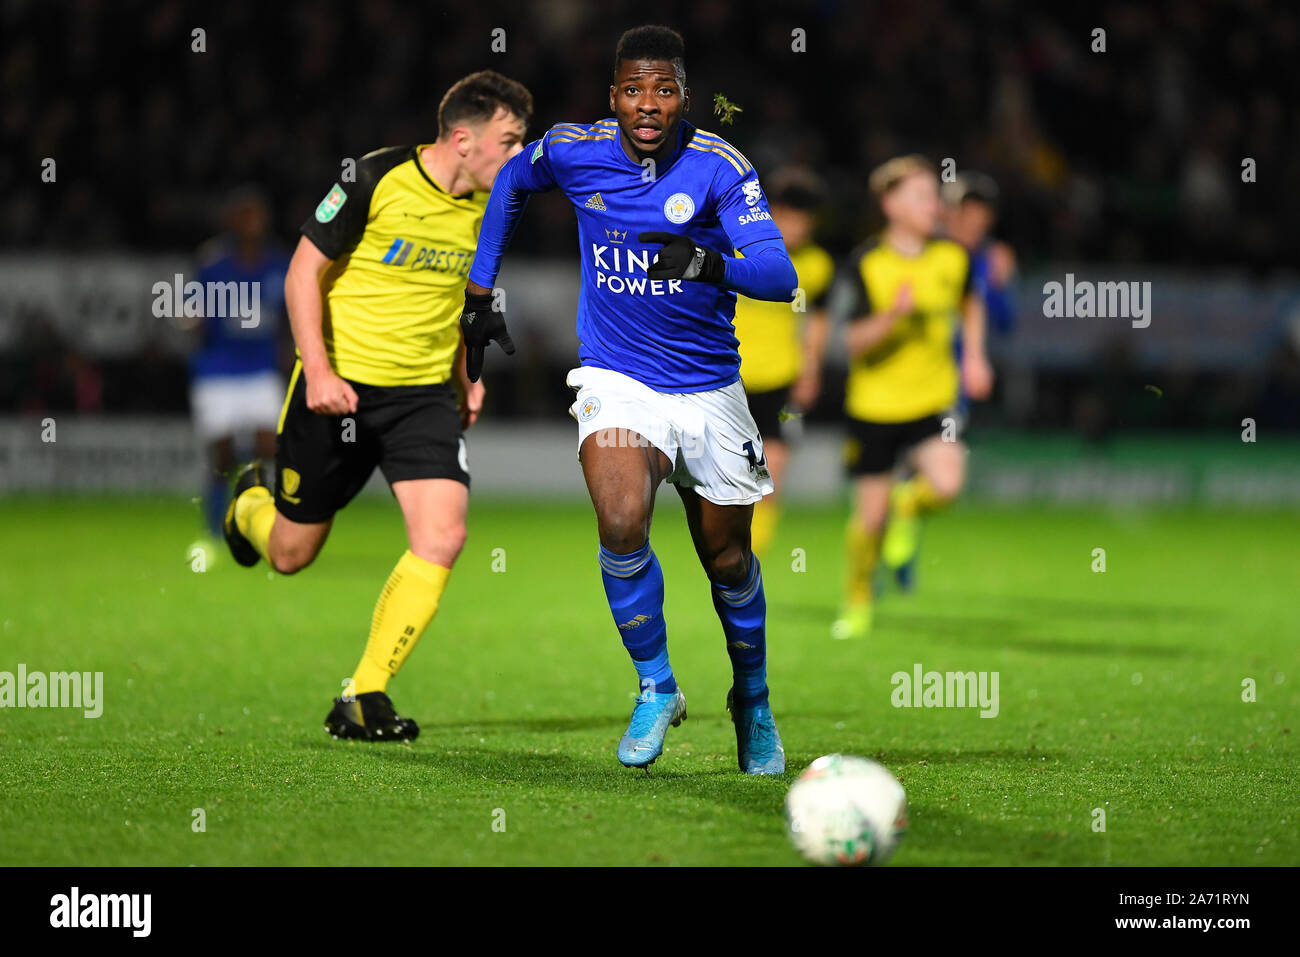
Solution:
(797, 187)
(652, 43)
(477, 97)
(245, 194)
(971, 187)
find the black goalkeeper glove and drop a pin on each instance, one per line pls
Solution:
(480, 325)
(682, 259)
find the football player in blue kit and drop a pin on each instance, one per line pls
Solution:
(236, 389)
(661, 207)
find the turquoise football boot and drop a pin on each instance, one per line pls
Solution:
(644, 740)
(758, 745)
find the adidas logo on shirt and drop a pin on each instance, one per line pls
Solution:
(596, 203)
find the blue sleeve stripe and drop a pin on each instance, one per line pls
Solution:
(578, 129)
(575, 139)
(710, 140)
(727, 156)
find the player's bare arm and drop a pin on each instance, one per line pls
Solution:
(471, 394)
(816, 335)
(327, 394)
(976, 372)
(867, 332)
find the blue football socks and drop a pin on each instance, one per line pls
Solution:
(634, 585)
(743, 611)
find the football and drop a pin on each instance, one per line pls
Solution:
(846, 811)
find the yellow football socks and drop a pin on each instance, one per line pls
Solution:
(855, 616)
(916, 497)
(405, 607)
(766, 514)
(254, 516)
(861, 547)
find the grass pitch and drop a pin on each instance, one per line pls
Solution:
(1120, 690)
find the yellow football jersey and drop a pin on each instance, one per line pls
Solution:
(912, 372)
(771, 352)
(402, 248)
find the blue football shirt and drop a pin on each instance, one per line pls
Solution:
(671, 335)
(228, 348)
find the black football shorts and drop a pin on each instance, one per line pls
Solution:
(875, 447)
(323, 461)
(766, 408)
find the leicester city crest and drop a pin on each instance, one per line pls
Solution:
(679, 208)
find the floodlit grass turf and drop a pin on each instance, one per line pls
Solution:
(1120, 691)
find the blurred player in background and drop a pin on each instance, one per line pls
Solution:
(970, 210)
(659, 393)
(782, 344)
(909, 290)
(235, 382)
(374, 294)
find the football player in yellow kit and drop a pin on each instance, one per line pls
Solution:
(782, 343)
(374, 293)
(911, 290)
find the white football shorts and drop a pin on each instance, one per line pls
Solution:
(232, 404)
(710, 437)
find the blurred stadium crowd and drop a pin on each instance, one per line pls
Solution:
(1131, 156)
